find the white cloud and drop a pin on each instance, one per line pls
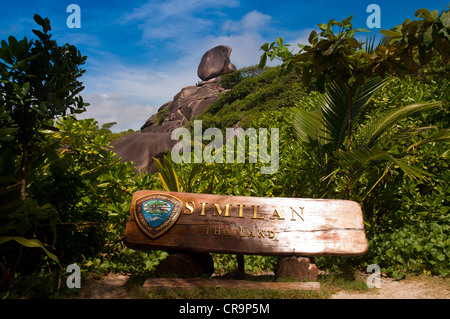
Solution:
(80, 38)
(162, 10)
(116, 107)
(129, 94)
(174, 19)
(253, 21)
(300, 37)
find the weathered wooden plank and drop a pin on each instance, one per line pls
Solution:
(195, 283)
(248, 225)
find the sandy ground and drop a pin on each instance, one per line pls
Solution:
(114, 287)
(421, 287)
(110, 287)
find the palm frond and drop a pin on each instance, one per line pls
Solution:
(440, 136)
(401, 134)
(308, 129)
(336, 110)
(365, 92)
(336, 113)
(370, 46)
(167, 175)
(359, 160)
(188, 182)
(373, 131)
(307, 125)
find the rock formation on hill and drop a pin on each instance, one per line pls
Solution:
(188, 103)
(154, 140)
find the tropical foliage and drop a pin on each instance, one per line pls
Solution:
(340, 57)
(377, 136)
(63, 192)
(325, 130)
(39, 83)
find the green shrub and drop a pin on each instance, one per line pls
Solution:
(230, 80)
(422, 247)
(39, 83)
(161, 116)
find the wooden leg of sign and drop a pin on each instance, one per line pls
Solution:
(299, 268)
(186, 265)
(241, 263)
(205, 261)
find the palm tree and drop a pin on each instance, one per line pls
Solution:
(332, 145)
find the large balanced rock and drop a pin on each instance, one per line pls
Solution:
(215, 62)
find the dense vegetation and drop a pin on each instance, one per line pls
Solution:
(65, 197)
(406, 216)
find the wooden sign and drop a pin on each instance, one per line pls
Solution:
(245, 225)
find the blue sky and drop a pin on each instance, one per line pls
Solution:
(141, 53)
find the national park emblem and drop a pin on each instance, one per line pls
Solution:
(156, 213)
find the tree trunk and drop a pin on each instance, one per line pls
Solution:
(241, 263)
(349, 131)
(23, 172)
(350, 111)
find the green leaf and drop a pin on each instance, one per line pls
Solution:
(38, 19)
(265, 46)
(390, 253)
(307, 125)
(172, 174)
(428, 36)
(435, 14)
(280, 41)
(445, 19)
(13, 44)
(25, 89)
(391, 34)
(45, 23)
(336, 108)
(263, 61)
(323, 26)
(39, 33)
(52, 155)
(370, 45)
(32, 243)
(313, 38)
(43, 109)
(425, 13)
(346, 22)
(273, 54)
